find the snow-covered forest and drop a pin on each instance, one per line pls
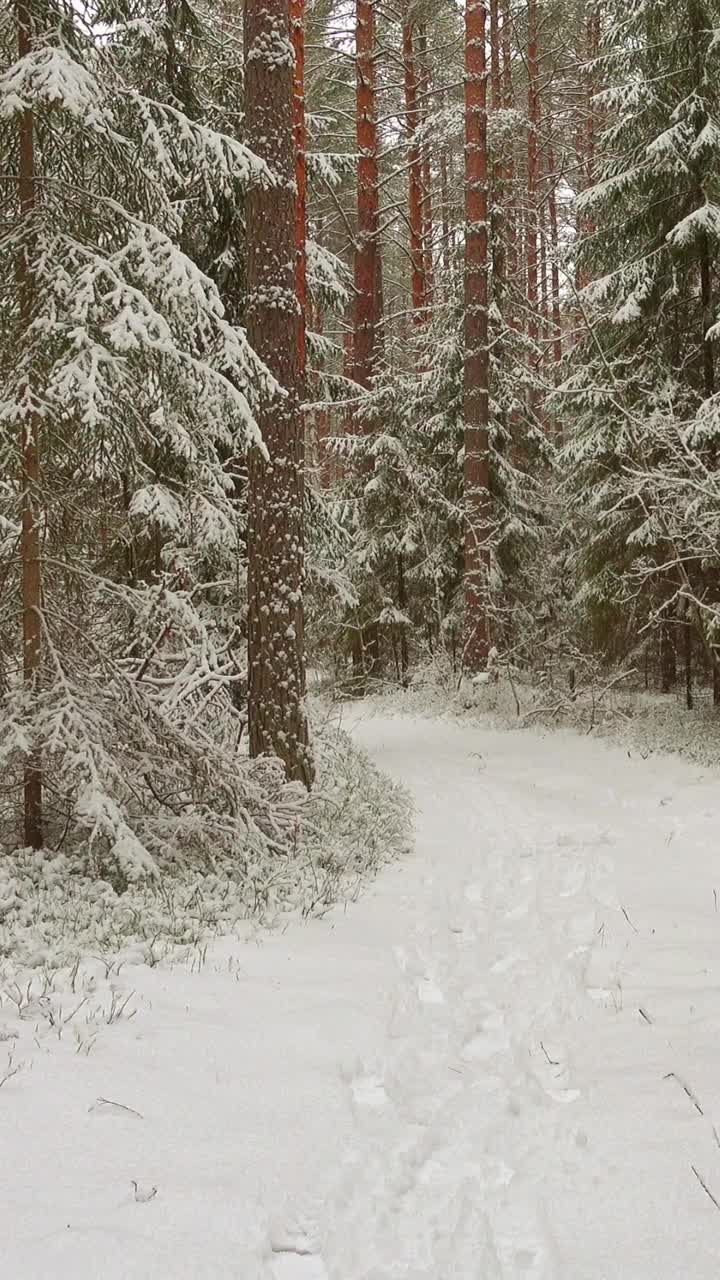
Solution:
(359, 639)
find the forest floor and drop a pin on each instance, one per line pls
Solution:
(500, 1064)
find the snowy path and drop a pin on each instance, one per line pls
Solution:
(452, 1079)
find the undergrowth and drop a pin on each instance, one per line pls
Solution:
(52, 910)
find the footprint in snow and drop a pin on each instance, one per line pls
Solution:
(517, 913)
(369, 1091)
(296, 1250)
(429, 992)
(490, 1040)
(289, 1265)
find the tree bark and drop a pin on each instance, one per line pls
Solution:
(586, 135)
(276, 679)
(688, 635)
(30, 468)
(367, 264)
(427, 206)
(297, 29)
(554, 266)
(668, 668)
(476, 371)
(415, 178)
(531, 228)
(508, 96)
(498, 199)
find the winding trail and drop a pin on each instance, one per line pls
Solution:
(500, 1064)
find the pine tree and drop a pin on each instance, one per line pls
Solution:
(276, 706)
(128, 400)
(641, 383)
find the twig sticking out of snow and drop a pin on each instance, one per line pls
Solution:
(105, 1105)
(11, 1069)
(671, 1075)
(705, 1186)
(632, 926)
(143, 1194)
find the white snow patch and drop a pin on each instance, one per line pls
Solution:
(555, 1116)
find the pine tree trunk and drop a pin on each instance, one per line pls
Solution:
(30, 476)
(447, 245)
(510, 219)
(427, 207)
(402, 604)
(586, 134)
(276, 679)
(415, 178)
(498, 198)
(688, 634)
(368, 269)
(554, 267)
(476, 389)
(668, 671)
(531, 228)
(297, 29)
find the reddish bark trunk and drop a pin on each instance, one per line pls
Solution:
(367, 266)
(276, 673)
(476, 388)
(297, 29)
(415, 178)
(498, 220)
(30, 474)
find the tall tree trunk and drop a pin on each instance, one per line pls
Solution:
(30, 474)
(531, 228)
(508, 97)
(427, 207)
(297, 28)
(668, 666)
(276, 679)
(447, 245)
(415, 178)
(367, 266)
(476, 389)
(587, 134)
(498, 198)
(402, 605)
(554, 266)
(688, 647)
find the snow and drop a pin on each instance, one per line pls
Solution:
(499, 1064)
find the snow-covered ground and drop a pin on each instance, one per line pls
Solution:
(501, 1063)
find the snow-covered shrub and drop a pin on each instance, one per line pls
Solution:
(54, 908)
